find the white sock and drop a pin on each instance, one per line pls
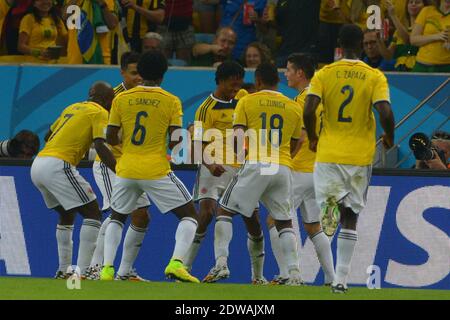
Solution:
(193, 250)
(65, 245)
(97, 258)
(184, 237)
(131, 246)
(288, 243)
(323, 250)
(255, 247)
(278, 252)
(88, 239)
(223, 232)
(345, 247)
(113, 235)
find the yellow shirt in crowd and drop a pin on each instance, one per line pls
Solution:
(145, 115)
(4, 8)
(348, 90)
(264, 112)
(75, 130)
(433, 21)
(42, 34)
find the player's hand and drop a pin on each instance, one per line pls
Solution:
(313, 144)
(216, 169)
(387, 141)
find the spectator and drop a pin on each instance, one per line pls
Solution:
(142, 16)
(177, 30)
(209, 14)
(152, 41)
(5, 5)
(331, 21)
(242, 16)
(209, 55)
(97, 50)
(431, 34)
(41, 30)
(357, 11)
(373, 58)
(266, 29)
(11, 25)
(255, 54)
(400, 48)
(24, 145)
(298, 22)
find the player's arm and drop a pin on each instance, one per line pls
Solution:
(296, 144)
(387, 122)
(173, 143)
(309, 118)
(104, 153)
(112, 135)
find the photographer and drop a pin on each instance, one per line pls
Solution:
(431, 154)
(25, 145)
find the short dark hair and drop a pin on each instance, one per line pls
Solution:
(351, 37)
(152, 65)
(304, 62)
(229, 69)
(267, 73)
(127, 58)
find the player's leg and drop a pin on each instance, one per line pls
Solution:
(283, 275)
(255, 246)
(206, 213)
(358, 178)
(170, 194)
(123, 202)
(64, 231)
(132, 244)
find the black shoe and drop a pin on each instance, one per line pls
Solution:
(339, 288)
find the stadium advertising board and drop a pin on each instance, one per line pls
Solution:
(403, 236)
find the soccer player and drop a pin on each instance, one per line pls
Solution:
(348, 90)
(54, 173)
(216, 112)
(272, 122)
(299, 71)
(105, 177)
(146, 115)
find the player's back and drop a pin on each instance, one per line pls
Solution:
(276, 120)
(145, 115)
(348, 89)
(74, 130)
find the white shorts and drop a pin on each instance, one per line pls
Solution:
(303, 196)
(166, 193)
(60, 183)
(105, 177)
(249, 186)
(208, 186)
(341, 183)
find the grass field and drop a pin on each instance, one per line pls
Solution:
(12, 288)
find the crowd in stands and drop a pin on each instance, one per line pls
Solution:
(414, 34)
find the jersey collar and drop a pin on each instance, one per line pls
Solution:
(223, 101)
(270, 91)
(148, 87)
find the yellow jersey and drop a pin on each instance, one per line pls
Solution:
(42, 34)
(145, 115)
(4, 8)
(272, 120)
(433, 21)
(217, 114)
(137, 23)
(348, 89)
(305, 158)
(75, 130)
(116, 150)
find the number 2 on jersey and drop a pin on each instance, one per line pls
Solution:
(341, 117)
(138, 127)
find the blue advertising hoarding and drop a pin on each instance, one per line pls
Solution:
(404, 231)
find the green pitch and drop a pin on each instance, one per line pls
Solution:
(41, 288)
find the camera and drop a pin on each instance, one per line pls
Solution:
(425, 149)
(25, 145)
(420, 144)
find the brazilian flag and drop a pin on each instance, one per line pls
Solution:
(87, 35)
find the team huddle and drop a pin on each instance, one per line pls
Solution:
(313, 153)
